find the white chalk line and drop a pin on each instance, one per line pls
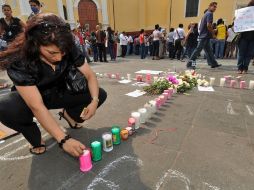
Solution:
(211, 187)
(174, 174)
(72, 180)
(230, 109)
(100, 177)
(250, 110)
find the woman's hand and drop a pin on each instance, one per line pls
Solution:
(74, 147)
(89, 111)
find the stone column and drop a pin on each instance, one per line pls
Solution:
(60, 8)
(70, 13)
(105, 22)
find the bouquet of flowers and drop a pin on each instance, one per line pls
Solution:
(158, 86)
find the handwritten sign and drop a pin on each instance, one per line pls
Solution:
(244, 19)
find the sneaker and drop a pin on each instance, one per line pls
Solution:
(215, 66)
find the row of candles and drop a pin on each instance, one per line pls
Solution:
(109, 139)
(227, 81)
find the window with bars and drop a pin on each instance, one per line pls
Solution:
(192, 8)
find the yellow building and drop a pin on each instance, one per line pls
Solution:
(129, 15)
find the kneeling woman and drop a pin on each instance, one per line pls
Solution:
(40, 72)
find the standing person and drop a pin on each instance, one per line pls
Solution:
(123, 43)
(206, 33)
(94, 46)
(101, 38)
(40, 73)
(10, 26)
(35, 7)
(171, 47)
(156, 42)
(246, 49)
(130, 45)
(111, 43)
(191, 40)
(179, 36)
(142, 44)
(230, 45)
(221, 39)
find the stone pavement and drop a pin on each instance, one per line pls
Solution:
(204, 141)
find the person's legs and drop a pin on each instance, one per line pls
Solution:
(142, 47)
(100, 51)
(222, 48)
(196, 52)
(242, 46)
(104, 52)
(95, 53)
(111, 51)
(217, 49)
(249, 55)
(209, 53)
(157, 48)
(15, 114)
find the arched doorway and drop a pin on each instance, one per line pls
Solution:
(88, 14)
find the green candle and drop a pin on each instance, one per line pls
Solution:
(116, 135)
(96, 151)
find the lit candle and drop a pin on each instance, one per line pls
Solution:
(129, 76)
(143, 115)
(136, 116)
(154, 107)
(149, 109)
(107, 142)
(212, 80)
(251, 85)
(124, 134)
(113, 76)
(233, 84)
(243, 84)
(222, 82)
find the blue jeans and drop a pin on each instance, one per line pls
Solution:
(219, 48)
(111, 51)
(245, 54)
(95, 52)
(143, 51)
(206, 45)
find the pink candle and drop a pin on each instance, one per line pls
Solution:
(242, 84)
(148, 77)
(166, 96)
(233, 84)
(131, 122)
(139, 78)
(109, 75)
(117, 76)
(162, 99)
(158, 103)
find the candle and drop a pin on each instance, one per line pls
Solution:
(129, 76)
(148, 78)
(122, 78)
(116, 135)
(101, 75)
(97, 74)
(136, 116)
(124, 134)
(166, 96)
(154, 107)
(96, 151)
(149, 109)
(85, 161)
(233, 84)
(212, 80)
(155, 78)
(162, 99)
(222, 82)
(243, 84)
(171, 91)
(168, 92)
(158, 102)
(113, 76)
(107, 142)
(117, 76)
(131, 123)
(130, 131)
(251, 85)
(139, 78)
(109, 75)
(143, 115)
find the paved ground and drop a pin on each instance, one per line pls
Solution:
(205, 141)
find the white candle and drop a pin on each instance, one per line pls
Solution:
(222, 82)
(101, 75)
(122, 78)
(113, 76)
(143, 115)
(212, 80)
(153, 104)
(251, 86)
(149, 110)
(129, 76)
(136, 116)
(155, 78)
(107, 142)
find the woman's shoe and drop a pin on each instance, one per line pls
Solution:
(32, 151)
(61, 115)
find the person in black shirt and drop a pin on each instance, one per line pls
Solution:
(10, 26)
(39, 73)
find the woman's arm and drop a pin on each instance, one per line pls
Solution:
(93, 88)
(33, 99)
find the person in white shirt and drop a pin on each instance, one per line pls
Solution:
(130, 45)
(156, 42)
(230, 44)
(123, 43)
(179, 36)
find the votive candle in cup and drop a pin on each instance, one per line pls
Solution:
(107, 142)
(166, 96)
(232, 84)
(155, 78)
(162, 98)
(109, 75)
(149, 109)
(243, 84)
(113, 76)
(148, 78)
(222, 82)
(118, 76)
(143, 115)
(154, 106)
(128, 76)
(136, 116)
(130, 131)
(85, 161)
(158, 103)
(251, 85)
(212, 80)
(139, 78)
